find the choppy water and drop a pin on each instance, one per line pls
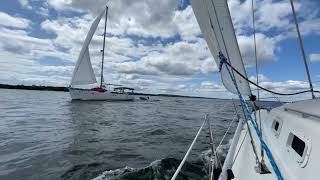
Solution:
(43, 135)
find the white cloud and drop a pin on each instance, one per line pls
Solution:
(270, 14)
(23, 44)
(20, 59)
(273, 18)
(266, 48)
(61, 4)
(211, 86)
(44, 9)
(14, 22)
(76, 29)
(310, 27)
(289, 85)
(141, 18)
(187, 25)
(40, 7)
(315, 57)
(25, 4)
(178, 59)
(273, 14)
(261, 77)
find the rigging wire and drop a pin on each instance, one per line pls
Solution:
(302, 49)
(255, 46)
(239, 148)
(188, 152)
(232, 73)
(212, 145)
(257, 74)
(254, 124)
(229, 62)
(265, 89)
(225, 134)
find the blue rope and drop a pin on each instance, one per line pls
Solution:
(251, 119)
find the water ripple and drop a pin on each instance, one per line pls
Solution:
(46, 136)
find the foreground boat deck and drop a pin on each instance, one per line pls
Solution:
(291, 133)
(245, 161)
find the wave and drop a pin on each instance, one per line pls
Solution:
(158, 170)
(164, 169)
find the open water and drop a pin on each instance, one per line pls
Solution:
(45, 135)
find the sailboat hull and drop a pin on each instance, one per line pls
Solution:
(86, 94)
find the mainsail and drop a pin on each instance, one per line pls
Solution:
(215, 22)
(83, 72)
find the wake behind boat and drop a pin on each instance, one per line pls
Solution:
(84, 75)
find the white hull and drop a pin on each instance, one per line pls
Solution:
(83, 94)
(297, 120)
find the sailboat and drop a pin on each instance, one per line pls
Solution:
(268, 144)
(83, 73)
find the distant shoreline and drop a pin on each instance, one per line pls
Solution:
(34, 87)
(65, 89)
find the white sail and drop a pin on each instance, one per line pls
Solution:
(83, 72)
(215, 22)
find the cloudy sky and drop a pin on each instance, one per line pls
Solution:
(154, 46)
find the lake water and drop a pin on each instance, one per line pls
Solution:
(45, 135)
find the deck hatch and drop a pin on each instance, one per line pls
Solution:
(298, 145)
(299, 148)
(276, 126)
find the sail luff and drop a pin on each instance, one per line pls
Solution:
(215, 22)
(239, 65)
(83, 72)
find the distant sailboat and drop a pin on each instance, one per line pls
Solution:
(83, 73)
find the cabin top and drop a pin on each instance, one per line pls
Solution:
(306, 107)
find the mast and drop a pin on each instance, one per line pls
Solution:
(302, 49)
(104, 45)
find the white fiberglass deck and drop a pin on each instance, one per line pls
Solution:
(291, 133)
